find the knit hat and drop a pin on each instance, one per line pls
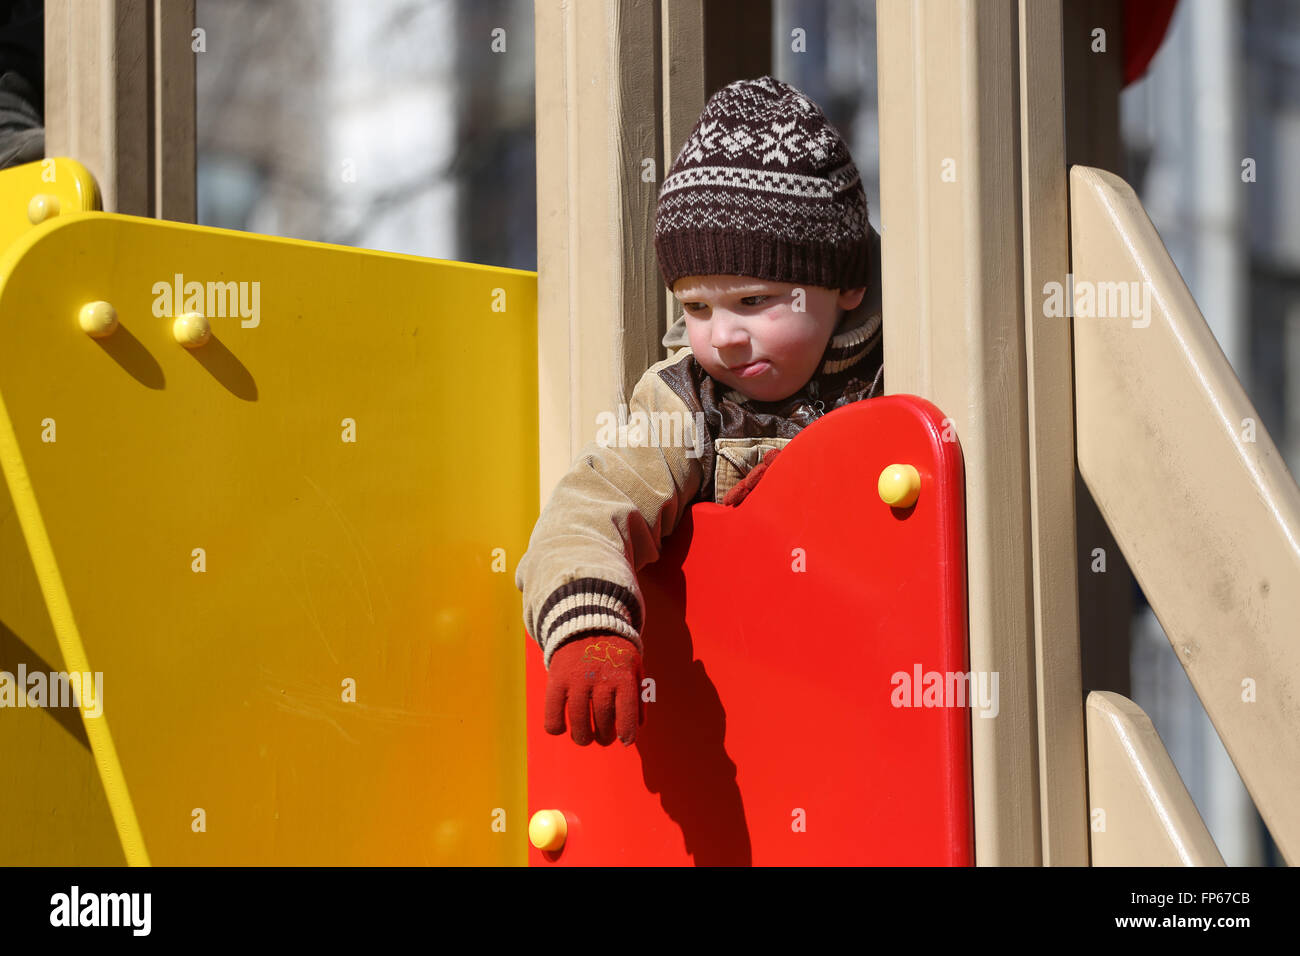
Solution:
(764, 187)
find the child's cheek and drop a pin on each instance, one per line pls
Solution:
(783, 339)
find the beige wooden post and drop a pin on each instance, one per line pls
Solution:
(684, 92)
(119, 98)
(1193, 487)
(954, 332)
(705, 47)
(600, 300)
(172, 58)
(613, 109)
(1050, 400)
(1144, 815)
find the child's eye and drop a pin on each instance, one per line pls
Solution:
(749, 300)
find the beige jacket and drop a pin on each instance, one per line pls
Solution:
(687, 438)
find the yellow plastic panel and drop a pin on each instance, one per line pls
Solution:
(66, 181)
(53, 811)
(349, 450)
(48, 772)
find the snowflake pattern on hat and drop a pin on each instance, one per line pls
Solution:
(764, 186)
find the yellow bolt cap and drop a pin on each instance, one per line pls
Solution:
(191, 330)
(899, 486)
(41, 207)
(98, 319)
(547, 829)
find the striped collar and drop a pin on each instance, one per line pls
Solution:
(848, 346)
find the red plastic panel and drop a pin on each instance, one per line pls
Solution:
(777, 634)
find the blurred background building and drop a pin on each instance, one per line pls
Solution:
(408, 126)
(401, 125)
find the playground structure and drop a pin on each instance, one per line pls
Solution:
(259, 522)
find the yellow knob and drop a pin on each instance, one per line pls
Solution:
(191, 330)
(41, 207)
(547, 829)
(899, 486)
(98, 319)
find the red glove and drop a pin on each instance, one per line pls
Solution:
(599, 675)
(741, 489)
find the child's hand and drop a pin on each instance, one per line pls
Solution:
(741, 489)
(598, 676)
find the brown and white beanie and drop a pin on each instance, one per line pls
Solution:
(764, 187)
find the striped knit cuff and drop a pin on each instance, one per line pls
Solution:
(584, 606)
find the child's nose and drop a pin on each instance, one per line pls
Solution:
(727, 331)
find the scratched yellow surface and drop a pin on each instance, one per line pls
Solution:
(327, 563)
(49, 785)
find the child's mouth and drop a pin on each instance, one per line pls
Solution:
(754, 368)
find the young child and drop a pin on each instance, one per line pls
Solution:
(762, 235)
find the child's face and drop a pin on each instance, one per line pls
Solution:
(779, 328)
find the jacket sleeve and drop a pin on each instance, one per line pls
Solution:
(606, 520)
